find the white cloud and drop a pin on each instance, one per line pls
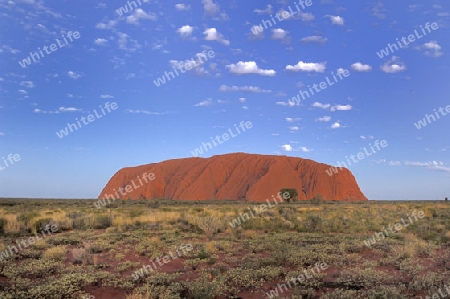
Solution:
(433, 165)
(68, 109)
(245, 107)
(288, 104)
(305, 16)
(27, 84)
(9, 49)
(324, 119)
(126, 43)
(393, 66)
(210, 7)
(58, 111)
(433, 49)
(379, 11)
(242, 100)
(100, 41)
(295, 128)
(359, 67)
(249, 67)
(341, 107)
(293, 120)
(252, 89)
(336, 20)
(320, 105)
(287, 147)
(185, 31)
(139, 14)
(23, 91)
(279, 33)
(145, 112)
(211, 34)
(314, 39)
(182, 7)
(268, 10)
(307, 67)
(106, 96)
(394, 163)
(109, 25)
(204, 103)
(336, 125)
(73, 75)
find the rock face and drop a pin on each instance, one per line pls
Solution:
(237, 176)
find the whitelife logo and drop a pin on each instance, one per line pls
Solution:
(360, 156)
(183, 67)
(36, 57)
(10, 158)
(257, 29)
(301, 279)
(262, 208)
(391, 48)
(198, 151)
(124, 10)
(185, 248)
(397, 227)
(323, 85)
(91, 118)
(25, 243)
(146, 177)
(423, 123)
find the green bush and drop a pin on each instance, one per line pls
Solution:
(293, 194)
(313, 223)
(3, 223)
(39, 225)
(317, 200)
(101, 221)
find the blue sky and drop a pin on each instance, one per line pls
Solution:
(117, 58)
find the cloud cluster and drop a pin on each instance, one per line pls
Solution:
(249, 67)
(394, 65)
(252, 89)
(319, 67)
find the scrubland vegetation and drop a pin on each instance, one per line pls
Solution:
(96, 251)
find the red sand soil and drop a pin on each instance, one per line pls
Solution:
(235, 176)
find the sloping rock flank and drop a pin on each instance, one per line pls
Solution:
(237, 176)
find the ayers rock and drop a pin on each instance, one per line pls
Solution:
(236, 176)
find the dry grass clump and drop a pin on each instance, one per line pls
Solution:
(57, 253)
(82, 256)
(12, 225)
(210, 247)
(447, 235)
(208, 224)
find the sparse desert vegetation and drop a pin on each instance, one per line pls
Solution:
(96, 251)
